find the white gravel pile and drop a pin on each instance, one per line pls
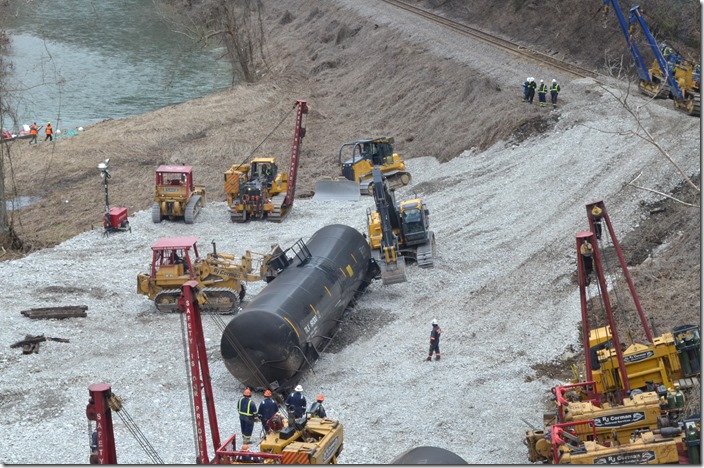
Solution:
(505, 222)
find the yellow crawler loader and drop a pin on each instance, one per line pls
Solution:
(220, 276)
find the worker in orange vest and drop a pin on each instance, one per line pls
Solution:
(49, 132)
(33, 131)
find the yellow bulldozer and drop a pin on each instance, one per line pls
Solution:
(176, 195)
(356, 160)
(220, 276)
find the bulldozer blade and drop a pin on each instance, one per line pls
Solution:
(393, 273)
(336, 190)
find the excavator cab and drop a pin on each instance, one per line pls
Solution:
(414, 221)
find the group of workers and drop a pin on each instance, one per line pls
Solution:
(530, 87)
(34, 131)
(268, 411)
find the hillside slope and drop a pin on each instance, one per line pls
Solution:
(505, 183)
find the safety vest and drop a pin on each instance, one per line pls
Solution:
(555, 87)
(243, 412)
(542, 89)
(48, 130)
(33, 130)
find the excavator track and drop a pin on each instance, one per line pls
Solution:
(425, 254)
(192, 209)
(219, 301)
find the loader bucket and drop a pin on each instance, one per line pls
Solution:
(336, 190)
(393, 273)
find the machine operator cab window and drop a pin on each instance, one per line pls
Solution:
(413, 221)
(177, 259)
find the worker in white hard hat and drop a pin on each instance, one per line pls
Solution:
(531, 89)
(542, 93)
(434, 341)
(296, 402)
(554, 91)
(525, 89)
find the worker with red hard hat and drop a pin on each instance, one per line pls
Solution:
(316, 409)
(247, 409)
(267, 409)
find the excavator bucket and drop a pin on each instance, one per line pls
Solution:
(343, 189)
(393, 273)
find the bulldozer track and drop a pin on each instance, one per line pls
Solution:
(508, 46)
(220, 301)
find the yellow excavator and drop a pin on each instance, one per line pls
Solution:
(356, 160)
(398, 231)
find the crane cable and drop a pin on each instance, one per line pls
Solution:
(139, 436)
(267, 137)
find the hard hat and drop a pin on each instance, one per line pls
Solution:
(434, 322)
(554, 80)
(245, 447)
(80, 129)
(247, 392)
(267, 393)
(298, 388)
(528, 79)
(321, 397)
(49, 123)
(541, 81)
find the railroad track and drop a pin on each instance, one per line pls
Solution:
(508, 46)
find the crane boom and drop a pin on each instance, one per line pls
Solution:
(299, 133)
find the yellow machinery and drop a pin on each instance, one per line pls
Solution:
(669, 359)
(259, 190)
(561, 444)
(176, 261)
(356, 161)
(398, 231)
(305, 441)
(175, 194)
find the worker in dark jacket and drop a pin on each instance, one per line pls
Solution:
(554, 91)
(525, 89)
(542, 92)
(267, 409)
(316, 409)
(531, 89)
(434, 341)
(297, 402)
(247, 409)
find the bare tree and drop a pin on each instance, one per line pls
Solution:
(639, 130)
(236, 25)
